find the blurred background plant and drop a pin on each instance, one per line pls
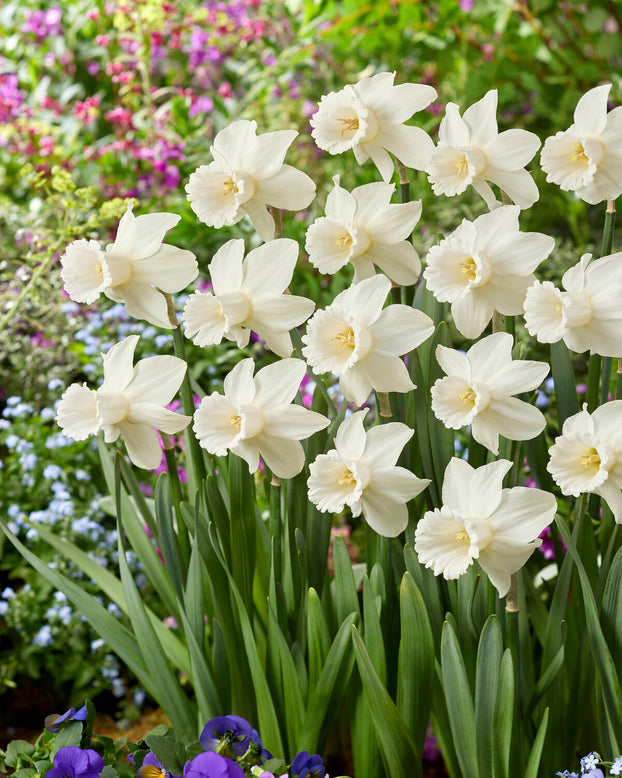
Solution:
(100, 102)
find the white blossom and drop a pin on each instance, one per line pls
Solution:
(358, 340)
(481, 520)
(368, 117)
(484, 266)
(132, 269)
(365, 229)
(130, 402)
(248, 295)
(587, 456)
(587, 157)
(255, 417)
(471, 151)
(246, 176)
(587, 315)
(478, 389)
(360, 472)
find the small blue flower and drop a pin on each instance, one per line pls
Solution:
(4, 608)
(616, 767)
(55, 383)
(590, 762)
(43, 637)
(8, 593)
(53, 472)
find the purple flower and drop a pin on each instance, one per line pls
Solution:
(212, 765)
(236, 731)
(53, 721)
(305, 766)
(73, 762)
(152, 768)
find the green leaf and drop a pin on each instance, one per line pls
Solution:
(532, 769)
(168, 751)
(70, 735)
(562, 371)
(327, 688)
(242, 528)
(398, 750)
(346, 594)
(489, 653)
(168, 542)
(459, 702)
(415, 669)
(611, 614)
(318, 637)
(504, 717)
(17, 749)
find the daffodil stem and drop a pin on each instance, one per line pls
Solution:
(187, 401)
(511, 598)
(402, 172)
(278, 221)
(601, 367)
(497, 322)
(384, 405)
(619, 380)
(176, 496)
(275, 526)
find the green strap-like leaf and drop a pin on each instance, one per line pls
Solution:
(489, 653)
(532, 769)
(504, 717)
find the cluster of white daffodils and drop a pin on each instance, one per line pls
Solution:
(484, 267)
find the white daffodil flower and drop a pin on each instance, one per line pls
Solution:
(246, 176)
(587, 456)
(481, 520)
(130, 402)
(132, 269)
(587, 315)
(368, 117)
(484, 266)
(360, 472)
(358, 340)
(248, 295)
(478, 391)
(587, 157)
(255, 418)
(364, 228)
(471, 151)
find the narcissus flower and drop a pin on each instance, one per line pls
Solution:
(478, 391)
(132, 269)
(248, 294)
(481, 520)
(484, 266)
(360, 472)
(130, 402)
(587, 157)
(471, 151)
(368, 117)
(255, 418)
(587, 456)
(364, 228)
(587, 315)
(358, 340)
(246, 176)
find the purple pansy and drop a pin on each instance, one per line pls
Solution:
(212, 765)
(305, 766)
(74, 762)
(53, 721)
(241, 733)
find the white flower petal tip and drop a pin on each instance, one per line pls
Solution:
(586, 315)
(358, 340)
(478, 390)
(471, 152)
(360, 473)
(481, 521)
(255, 418)
(586, 158)
(248, 175)
(484, 266)
(248, 294)
(587, 456)
(368, 117)
(365, 229)
(131, 401)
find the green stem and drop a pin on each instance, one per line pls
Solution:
(176, 497)
(43, 267)
(275, 526)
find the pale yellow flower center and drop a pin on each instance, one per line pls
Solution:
(469, 397)
(468, 267)
(236, 421)
(579, 153)
(462, 165)
(346, 478)
(344, 242)
(591, 460)
(100, 271)
(463, 536)
(349, 125)
(346, 339)
(229, 187)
